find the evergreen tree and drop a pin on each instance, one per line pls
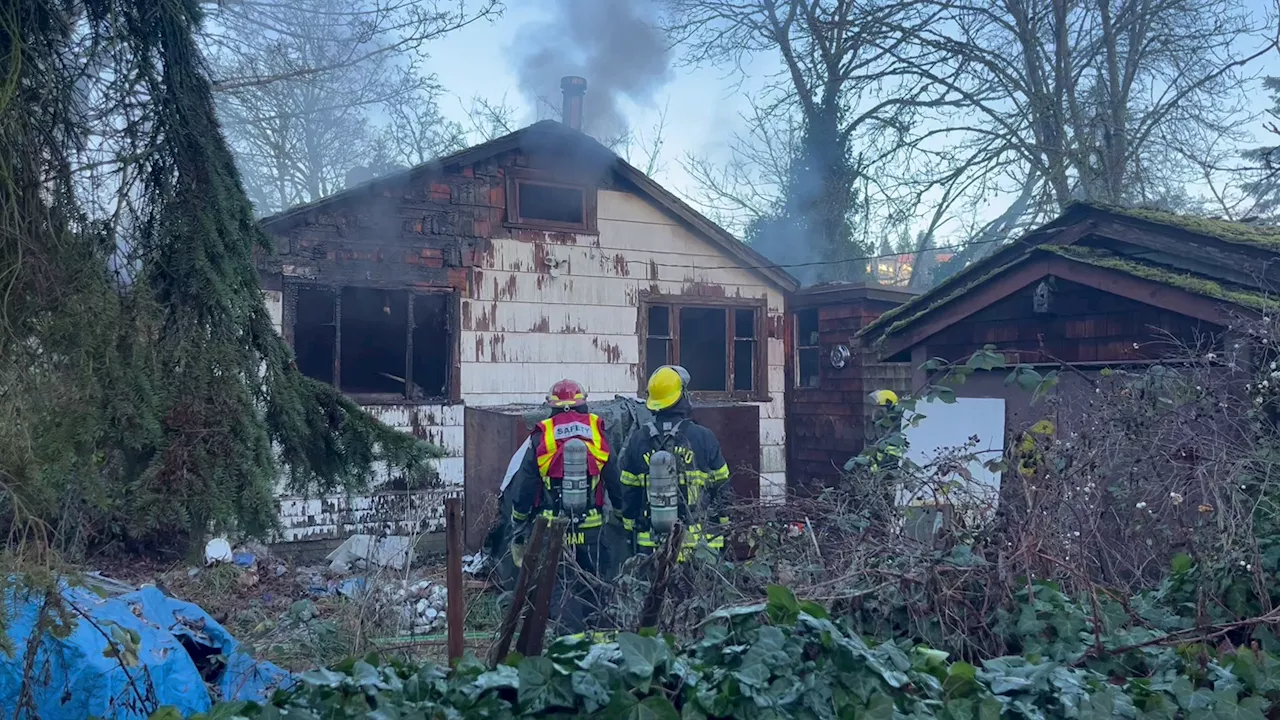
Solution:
(144, 394)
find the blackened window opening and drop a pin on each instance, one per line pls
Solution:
(719, 346)
(315, 332)
(657, 345)
(744, 350)
(808, 357)
(431, 346)
(551, 203)
(375, 333)
(369, 341)
(704, 348)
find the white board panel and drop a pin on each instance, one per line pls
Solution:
(549, 318)
(549, 347)
(946, 430)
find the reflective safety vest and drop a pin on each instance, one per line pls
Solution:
(549, 439)
(693, 536)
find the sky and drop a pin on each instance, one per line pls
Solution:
(703, 105)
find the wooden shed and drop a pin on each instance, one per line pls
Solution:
(1099, 287)
(830, 374)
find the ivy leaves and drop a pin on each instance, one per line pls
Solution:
(785, 658)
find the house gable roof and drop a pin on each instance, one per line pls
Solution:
(1197, 262)
(550, 131)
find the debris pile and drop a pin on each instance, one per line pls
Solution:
(422, 606)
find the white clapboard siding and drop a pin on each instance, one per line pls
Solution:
(504, 347)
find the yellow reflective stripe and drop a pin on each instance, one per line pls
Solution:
(628, 524)
(633, 479)
(692, 537)
(517, 515)
(597, 445)
(720, 475)
(549, 444)
(593, 518)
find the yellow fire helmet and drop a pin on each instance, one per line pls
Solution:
(665, 388)
(884, 397)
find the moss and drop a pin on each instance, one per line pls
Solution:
(1196, 284)
(1265, 237)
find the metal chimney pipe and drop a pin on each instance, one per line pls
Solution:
(572, 88)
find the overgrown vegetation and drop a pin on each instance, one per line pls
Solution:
(1128, 570)
(144, 394)
(788, 659)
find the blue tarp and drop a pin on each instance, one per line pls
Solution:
(146, 665)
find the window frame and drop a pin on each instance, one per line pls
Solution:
(796, 375)
(517, 176)
(760, 390)
(290, 289)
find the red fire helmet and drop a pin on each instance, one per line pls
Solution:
(566, 393)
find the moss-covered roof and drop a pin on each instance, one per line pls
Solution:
(1189, 282)
(1266, 237)
(944, 292)
(1263, 237)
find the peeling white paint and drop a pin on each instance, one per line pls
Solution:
(386, 511)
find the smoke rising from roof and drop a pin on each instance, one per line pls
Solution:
(614, 44)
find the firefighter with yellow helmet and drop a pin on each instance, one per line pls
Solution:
(673, 471)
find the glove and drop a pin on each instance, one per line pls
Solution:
(517, 551)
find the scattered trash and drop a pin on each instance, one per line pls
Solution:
(244, 559)
(112, 642)
(393, 551)
(474, 564)
(192, 572)
(107, 585)
(281, 570)
(422, 605)
(217, 550)
(351, 587)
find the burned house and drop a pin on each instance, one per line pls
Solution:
(479, 279)
(1096, 289)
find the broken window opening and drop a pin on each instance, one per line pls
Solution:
(315, 332)
(808, 357)
(719, 346)
(374, 329)
(657, 346)
(372, 342)
(431, 345)
(551, 203)
(704, 351)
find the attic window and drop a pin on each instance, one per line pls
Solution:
(539, 201)
(552, 203)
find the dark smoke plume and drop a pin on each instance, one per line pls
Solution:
(614, 44)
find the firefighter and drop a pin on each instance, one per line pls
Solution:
(672, 469)
(567, 471)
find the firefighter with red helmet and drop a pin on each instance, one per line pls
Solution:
(567, 472)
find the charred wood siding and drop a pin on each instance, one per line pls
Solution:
(1082, 325)
(827, 423)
